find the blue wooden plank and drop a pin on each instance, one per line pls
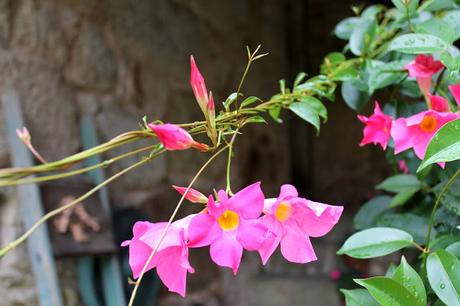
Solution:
(111, 274)
(39, 246)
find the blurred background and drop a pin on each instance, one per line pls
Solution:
(118, 60)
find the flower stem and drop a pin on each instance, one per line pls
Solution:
(56, 211)
(173, 215)
(435, 207)
(75, 172)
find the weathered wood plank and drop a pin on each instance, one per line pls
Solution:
(39, 247)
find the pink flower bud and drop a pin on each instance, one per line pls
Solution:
(438, 103)
(175, 138)
(24, 135)
(192, 195)
(423, 67)
(198, 85)
(455, 91)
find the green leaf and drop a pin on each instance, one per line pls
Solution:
(375, 242)
(415, 225)
(299, 78)
(306, 112)
(451, 197)
(344, 28)
(400, 183)
(317, 105)
(436, 5)
(452, 18)
(444, 146)
(383, 74)
(443, 271)
(231, 98)
(406, 9)
(454, 249)
(370, 211)
(418, 44)
(353, 97)
(282, 86)
(408, 277)
(438, 28)
(358, 297)
(402, 197)
(344, 74)
(275, 112)
(255, 119)
(249, 100)
(388, 292)
(362, 36)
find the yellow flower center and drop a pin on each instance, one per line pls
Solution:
(229, 220)
(428, 124)
(283, 212)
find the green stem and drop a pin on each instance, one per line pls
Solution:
(57, 211)
(435, 207)
(75, 172)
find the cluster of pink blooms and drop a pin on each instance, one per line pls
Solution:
(227, 224)
(417, 130)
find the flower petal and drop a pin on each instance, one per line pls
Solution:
(316, 219)
(248, 202)
(251, 234)
(401, 135)
(226, 251)
(288, 191)
(202, 231)
(272, 238)
(296, 246)
(171, 270)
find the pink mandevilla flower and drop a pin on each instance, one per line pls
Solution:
(438, 103)
(230, 225)
(175, 138)
(171, 259)
(423, 67)
(192, 195)
(377, 129)
(291, 221)
(416, 131)
(198, 85)
(455, 91)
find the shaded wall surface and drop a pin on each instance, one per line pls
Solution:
(121, 59)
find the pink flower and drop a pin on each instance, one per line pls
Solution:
(171, 259)
(192, 195)
(377, 129)
(417, 130)
(455, 90)
(423, 67)
(438, 103)
(291, 221)
(198, 85)
(403, 166)
(175, 138)
(230, 225)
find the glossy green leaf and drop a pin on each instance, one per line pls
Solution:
(452, 18)
(418, 44)
(454, 249)
(438, 28)
(383, 74)
(316, 104)
(388, 292)
(402, 197)
(444, 146)
(299, 78)
(358, 297)
(415, 225)
(362, 36)
(443, 272)
(353, 97)
(400, 183)
(275, 113)
(344, 28)
(408, 277)
(436, 5)
(249, 101)
(375, 242)
(368, 213)
(306, 112)
(255, 119)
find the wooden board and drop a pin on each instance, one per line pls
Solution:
(84, 230)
